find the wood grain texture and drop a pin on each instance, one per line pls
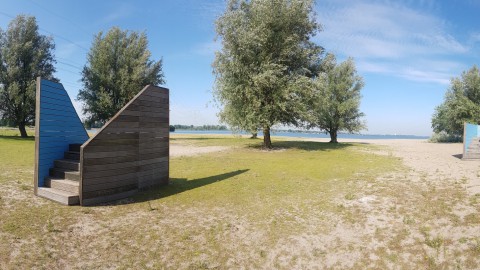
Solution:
(130, 152)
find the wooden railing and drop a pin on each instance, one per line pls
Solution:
(130, 152)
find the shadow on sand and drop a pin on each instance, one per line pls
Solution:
(459, 156)
(306, 145)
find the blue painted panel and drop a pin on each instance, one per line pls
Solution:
(471, 131)
(53, 140)
(55, 109)
(47, 153)
(53, 145)
(55, 104)
(49, 117)
(52, 90)
(47, 83)
(48, 157)
(59, 126)
(67, 135)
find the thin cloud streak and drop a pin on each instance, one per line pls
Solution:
(121, 11)
(388, 38)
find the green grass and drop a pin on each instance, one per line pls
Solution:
(243, 207)
(258, 183)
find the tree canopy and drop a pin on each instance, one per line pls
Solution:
(461, 104)
(24, 55)
(264, 69)
(336, 98)
(118, 67)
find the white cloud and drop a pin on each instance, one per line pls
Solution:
(391, 38)
(420, 70)
(208, 48)
(120, 11)
(418, 75)
(66, 50)
(475, 38)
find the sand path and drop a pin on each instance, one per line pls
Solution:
(433, 159)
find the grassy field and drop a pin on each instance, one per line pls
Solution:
(302, 205)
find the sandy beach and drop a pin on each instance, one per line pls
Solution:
(436, 160)
(400, 215)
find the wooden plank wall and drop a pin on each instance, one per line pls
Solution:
(56, 126)
(130, 152)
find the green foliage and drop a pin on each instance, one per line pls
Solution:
(336, 102)
(203, 127)
(263, 70)
(118, 67)
(461, 104)
(443, 137)
(24, 55)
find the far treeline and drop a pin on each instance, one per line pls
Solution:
(203, 127)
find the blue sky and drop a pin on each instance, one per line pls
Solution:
(406, 51)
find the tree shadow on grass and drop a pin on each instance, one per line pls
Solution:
(306, 145)
(179, 185)
(17, 138)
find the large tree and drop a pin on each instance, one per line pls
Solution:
(118, 67)
(263, 70)
(336, 101)
(461, 104)
(24, 55)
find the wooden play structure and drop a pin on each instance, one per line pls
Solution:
(129, 153)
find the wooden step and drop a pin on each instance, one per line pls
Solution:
(73, 155)
(68, 164)
(65, 174)
(63, 197)
(74, 147)
(62, 184)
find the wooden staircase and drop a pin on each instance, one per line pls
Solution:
(62, 184)
(473, 151)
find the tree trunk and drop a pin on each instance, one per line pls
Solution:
(23, 132)
(267, 142)
(333, 136)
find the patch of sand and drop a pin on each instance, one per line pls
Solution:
(436, 160)
(188, 150)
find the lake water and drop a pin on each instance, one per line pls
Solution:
(305, 135)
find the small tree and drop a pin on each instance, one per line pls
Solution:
(118, 67)
(263, 70)
(461, 104)
(24, 55)
(336, 101)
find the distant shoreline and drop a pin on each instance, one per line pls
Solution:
(304, 135)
